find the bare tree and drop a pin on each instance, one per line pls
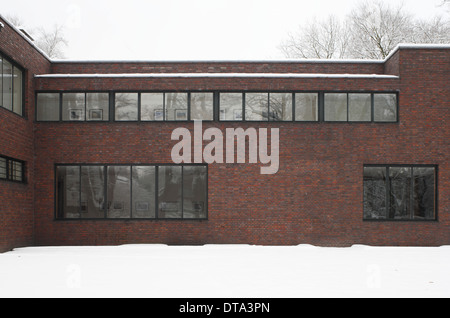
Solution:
(52, 42)
(372, 30)
(324, 39)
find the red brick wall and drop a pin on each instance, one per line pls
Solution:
(17, 141)
(315, 198)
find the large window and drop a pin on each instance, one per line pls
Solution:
(72, 107)
(332, 107)
(400, 192)
(12, 169)
(131, 192)
(360, 107)
(11, 86)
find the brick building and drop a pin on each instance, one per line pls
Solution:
(86, 150)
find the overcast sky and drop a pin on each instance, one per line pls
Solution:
(183, 29)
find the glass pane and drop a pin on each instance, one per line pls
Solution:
(202, 105)
(73, 106)
(335, 107)
(16, 171)
(385, 107)
(230, 107)
(97, 106)
(307, 107)
(256, 106)
(144, 181)
(169, 192)
(68, 192)
(194, 192)
(374, 193)
(424, 193)
(360, 107)
(119, 192)
(7, 84)
(400, 193)
(92, 192)
(152, 107)
(2, 168)
(48, 107)
(126, 106)
(176, 106)
(280, 107)
(17, 107)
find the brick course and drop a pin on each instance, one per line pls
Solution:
(315, 198)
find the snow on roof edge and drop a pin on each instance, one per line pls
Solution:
(218, 75)
(12, 26)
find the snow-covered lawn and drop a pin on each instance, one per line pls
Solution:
(227, 271)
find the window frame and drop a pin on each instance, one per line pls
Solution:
(411, 166)
(217, 106)
(105, 192)
(14, 65)
(8, 167)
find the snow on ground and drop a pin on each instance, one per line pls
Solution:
(225, 271)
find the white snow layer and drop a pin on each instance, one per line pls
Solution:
(225, 271)
(220, 75)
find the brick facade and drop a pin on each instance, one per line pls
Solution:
(315, 198)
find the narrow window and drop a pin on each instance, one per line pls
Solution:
(194, 192)
(47, 107)
(68, 192)
(375, 192)
(385, 107)
(230, 107)
(335, 107)
(143, 195)
(119, 192)
(280, 107)
(202, 105)
(126, 106)
(7, 85)
(256, 106)
(17, 98)
(307, 107)
(97, 106)
(92, 192)
(170, 192)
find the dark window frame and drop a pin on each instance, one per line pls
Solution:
(8, 176)
(411, 166)
(105, 191)
(14, 65)
(217, 107)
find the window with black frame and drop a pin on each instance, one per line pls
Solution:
(12, 169)
(400, 192)
(131, 192)
(11, 86)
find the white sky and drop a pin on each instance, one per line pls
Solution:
(183, 29)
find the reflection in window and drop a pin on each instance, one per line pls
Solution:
(385, 107)
(12, 169)
(307, 107)
(152, 106)
(97, 106)
(230, 107)
(68, 192)
(280, 107)
(169, 189)
(7, 85)
(18, 91)
(256, 106)
(126, 106)
(335, 107)
(400, 193)
(176, 106)
(47, 107)
(11, 87)
(375, 192)
(202, 105)
(194, 192)
(73, 106)
(128, 192)
(359, 107)
(118, 193)
(143, 195)
(92, 192)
